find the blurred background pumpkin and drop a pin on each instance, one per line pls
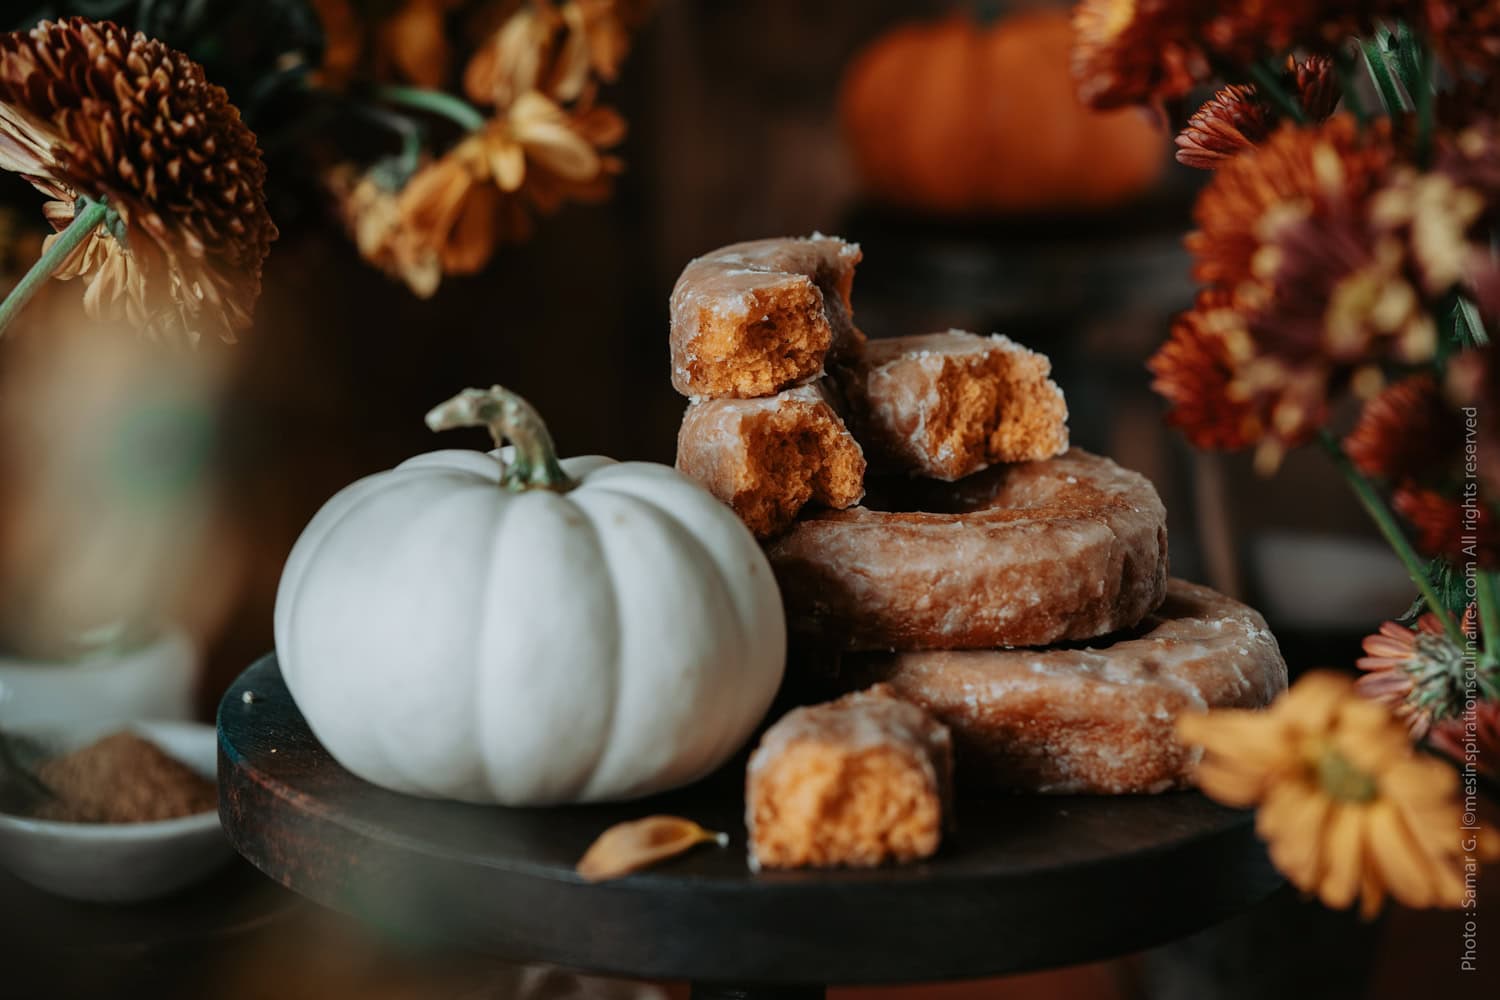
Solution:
(960, 116)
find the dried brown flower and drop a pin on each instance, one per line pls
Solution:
(1406, 432)
(412, 43)
(89, 109)
(1136, 51)
(554, 48)
(450, 216)
(368, 204)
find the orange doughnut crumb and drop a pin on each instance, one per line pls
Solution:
(859, 782)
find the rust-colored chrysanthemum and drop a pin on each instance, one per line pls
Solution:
(1297, 173)
(1233, 120)
(1472, 382)
(1406, 432)
(1417, 672)
(89, 109)
(1242, 31)
(1237, 118)
(1445, 527)
(1472, 738)
(1196, 371)
(1465, 32)
(1136, 51)
(1348, 808)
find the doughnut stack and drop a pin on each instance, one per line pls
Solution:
(937, 541)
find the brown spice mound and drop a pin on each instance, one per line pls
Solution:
(122, 778)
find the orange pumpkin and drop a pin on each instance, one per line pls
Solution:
(951, 117)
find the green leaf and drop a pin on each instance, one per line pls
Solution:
(1448, 585)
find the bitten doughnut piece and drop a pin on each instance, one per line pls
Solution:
(768, 458)
(944, 405)
(1018, 555)
(859, 781)
(751, 319)
(1098, 718)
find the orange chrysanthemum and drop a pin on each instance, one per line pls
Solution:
(1406, 432)
(1416, 672)
(1136, 51)
(1349, 810)
(89, 109)
(1196, 372)
(1298, 173)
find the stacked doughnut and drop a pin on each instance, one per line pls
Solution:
(935, 536)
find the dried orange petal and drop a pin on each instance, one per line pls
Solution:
(641, 843)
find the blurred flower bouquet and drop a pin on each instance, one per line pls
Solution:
(1347, 249)
(440, 128)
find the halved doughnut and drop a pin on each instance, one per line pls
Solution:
(945, 405)
(751, 319)
(768, 458)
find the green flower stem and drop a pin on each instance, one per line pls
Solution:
(1269, 87)
(1380, 72)
(1391, 531)
(460, 112)
(1487, 592)
(88, 215)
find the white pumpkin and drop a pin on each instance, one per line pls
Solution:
(507, 628)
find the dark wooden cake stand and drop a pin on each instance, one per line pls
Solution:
(1026, 882)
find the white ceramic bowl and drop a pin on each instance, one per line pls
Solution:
(154, 681)
(120, 862)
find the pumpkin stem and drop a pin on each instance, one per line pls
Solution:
(509, 418)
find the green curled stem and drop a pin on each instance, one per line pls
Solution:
(508, 417)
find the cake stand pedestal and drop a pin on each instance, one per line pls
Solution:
(1026, 882)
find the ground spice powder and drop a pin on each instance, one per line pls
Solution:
(122, 778)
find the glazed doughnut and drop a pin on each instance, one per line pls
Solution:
(751, 319)
(859, 781)
(1098, 719)
(1018, 555)
(945, 405)
(768, 458)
